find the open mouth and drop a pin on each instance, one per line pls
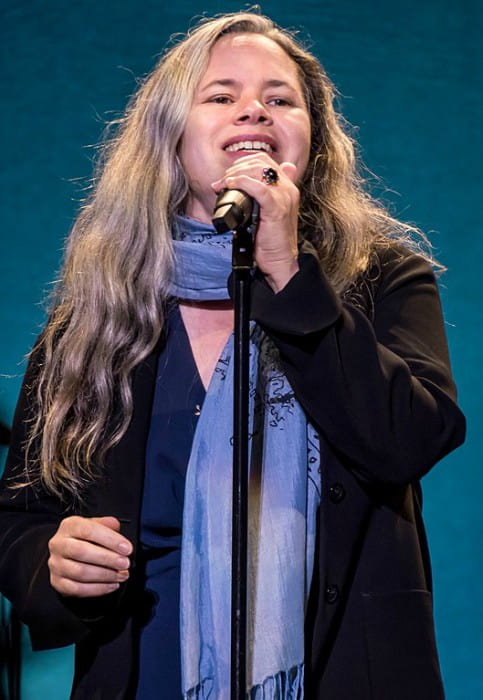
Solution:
(249, 146)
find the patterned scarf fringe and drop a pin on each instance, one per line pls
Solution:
(286, 685)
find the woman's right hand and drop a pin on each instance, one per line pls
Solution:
(88, 557)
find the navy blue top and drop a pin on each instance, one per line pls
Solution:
(178, 397)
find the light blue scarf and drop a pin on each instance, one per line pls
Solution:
(202, 261)
(284, 494)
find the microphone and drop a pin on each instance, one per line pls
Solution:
(234, 209)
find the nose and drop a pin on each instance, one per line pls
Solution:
(253, 111)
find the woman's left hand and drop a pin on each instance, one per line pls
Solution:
(276, 240)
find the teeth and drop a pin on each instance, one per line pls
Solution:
(249, 146)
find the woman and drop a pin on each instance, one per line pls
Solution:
(120, 460)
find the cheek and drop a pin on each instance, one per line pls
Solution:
(188, 155)
(189, 139)
(299, 135)
(182, 147)
(194, 148)
(303, 154)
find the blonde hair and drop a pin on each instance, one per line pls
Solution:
(108, 308)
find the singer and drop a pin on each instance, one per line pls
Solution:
(115, 503)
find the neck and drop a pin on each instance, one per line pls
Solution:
(198, 212)
(217, 305)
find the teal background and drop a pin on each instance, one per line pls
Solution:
(410, 76)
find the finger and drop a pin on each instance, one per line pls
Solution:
(109, 521)
(255, 176)
(114, 524)
(259, 159)
(252, 165)
(83, 590)
(85, 573)
(276, 202)
(255, 167)
(87, 553)
(95, 531)
(290, 170)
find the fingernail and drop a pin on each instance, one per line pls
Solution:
(122, 575)
(124, 548)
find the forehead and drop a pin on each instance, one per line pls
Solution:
(245, 51)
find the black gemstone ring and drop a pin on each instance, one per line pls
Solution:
(269, 176)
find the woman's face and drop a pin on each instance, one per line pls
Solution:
(250, 98)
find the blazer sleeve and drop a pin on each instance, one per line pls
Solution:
(29, 517)
(374, 378)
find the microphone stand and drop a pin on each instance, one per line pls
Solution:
(242, 265)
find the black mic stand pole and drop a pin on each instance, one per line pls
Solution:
(242, 264)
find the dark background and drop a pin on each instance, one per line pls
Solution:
(410, 76)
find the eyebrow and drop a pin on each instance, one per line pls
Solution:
(231, 82)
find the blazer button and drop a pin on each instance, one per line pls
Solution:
(336, 493)
(332, 594)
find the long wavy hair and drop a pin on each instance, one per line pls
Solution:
(107, 310)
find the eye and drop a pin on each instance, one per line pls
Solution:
(221, 99)
(279, 102)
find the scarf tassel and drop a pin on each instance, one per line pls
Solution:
(286, 685)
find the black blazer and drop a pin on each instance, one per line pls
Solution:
(373, 375)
